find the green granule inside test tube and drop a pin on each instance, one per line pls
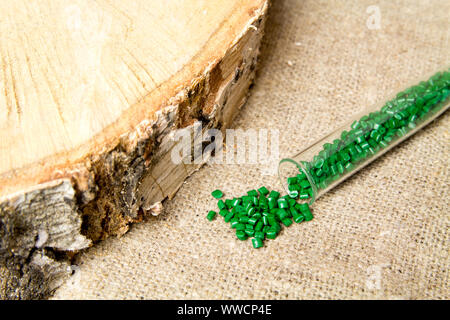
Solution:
(370, 135)
(260, 214)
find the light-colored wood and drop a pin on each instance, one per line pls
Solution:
(76, 75)
(90, 95)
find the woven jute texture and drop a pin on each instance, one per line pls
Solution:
(383, 233)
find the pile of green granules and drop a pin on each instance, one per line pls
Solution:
(260, 214)
(374, 132)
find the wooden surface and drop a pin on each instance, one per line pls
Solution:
(76, 75)
(91, 94)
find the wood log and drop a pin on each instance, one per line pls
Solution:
(91, 93)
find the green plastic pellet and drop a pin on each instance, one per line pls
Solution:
(372, 143)
(234, 222)
(244, 219)
(348, 166)
(271, 234)
(301, 176)
(299, 218)
(360, 139)
(355, 124)
(286, 197)
(221, 205)
(283, 203)
(340, 168)
(211, 215)
(258, 216)
(304, 195)
(252, 221)
(223, 212)
(272, 203)
(241, 235)
(274, 195)
(282, 214)
(345, 156)
(287, 222)
(292, 202)
(377, 137)
(293, 211)
(333, 170)
(272, 220)
(259, 225)
(235, 202)
(319, 163)
(292, 180)
(273, 211)
(241, 215)
(411, 125)
(358, 149)
(259, 234)
(319, 172)
(249, 232)
(263, 190)
(322, 185)
(364, 145)
(304, 209)
(229, 216)
(305, 184)
(263, 202)
(257, 243)
(217, 194)
(293, 194)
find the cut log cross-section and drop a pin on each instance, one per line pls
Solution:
(90, 95)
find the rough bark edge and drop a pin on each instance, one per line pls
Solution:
(119, 187)
(31, 237)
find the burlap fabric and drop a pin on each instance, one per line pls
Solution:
(381, 234)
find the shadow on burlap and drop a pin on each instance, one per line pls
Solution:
(381, 234)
